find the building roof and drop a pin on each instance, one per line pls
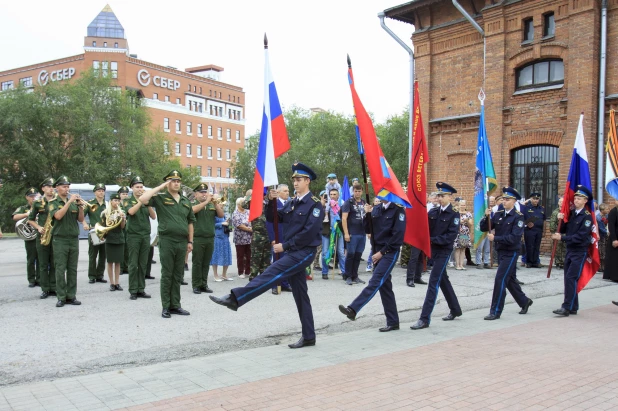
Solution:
(406, 12)
(204, 68)
(106, 24)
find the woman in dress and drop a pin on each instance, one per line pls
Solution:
(553, 228)
(463, 240)
(611, 251)
(114, 242)
(222, 254)
(242, 238)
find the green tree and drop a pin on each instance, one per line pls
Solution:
(87, 129)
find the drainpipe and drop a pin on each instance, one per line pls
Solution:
(469, 18)
(411, 53)
(601, 108)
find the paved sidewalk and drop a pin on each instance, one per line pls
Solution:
(519, 361)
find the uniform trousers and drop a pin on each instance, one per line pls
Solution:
(261, 254)
(532, 237)
(438, 280)
(380, 281)
(31, 261)
(45, 257)
(149, 263)
(573, 266)
(202, 254)
(124, 266)
(291, 266)
(415, 264)
(96, 269)
(172, 252)
(506, 280)
(66, 254)
(138, 247)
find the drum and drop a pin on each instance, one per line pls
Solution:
(154, 232)
(95, 238)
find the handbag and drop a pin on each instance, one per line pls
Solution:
(463, 240)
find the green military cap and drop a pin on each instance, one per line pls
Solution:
(114, 196)
(99, 186)
(47, 182)
(136, 180)
(62, 181)
(173, 175)
(201, 187)
(31, 192)
(123, 189)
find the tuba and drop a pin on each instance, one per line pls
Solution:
(112, 221)
(24, 230)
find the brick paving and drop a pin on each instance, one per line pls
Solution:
(555, 363)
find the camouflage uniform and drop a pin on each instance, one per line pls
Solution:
(260, 246)
(405, 254)
(561, 247)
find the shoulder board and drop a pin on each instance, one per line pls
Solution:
(315, 199)
(518, 212)
(399, 205)
(587, 212)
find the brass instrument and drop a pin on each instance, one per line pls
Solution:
(83, 204)
(219, 200)
(113, 220)
(24, 230)
(46, 236)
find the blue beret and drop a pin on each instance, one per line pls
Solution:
(331, 175)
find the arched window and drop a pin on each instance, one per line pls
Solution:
(540, 73)
(535, 169)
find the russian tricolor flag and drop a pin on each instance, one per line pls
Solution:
(579, 174)
(274, 141)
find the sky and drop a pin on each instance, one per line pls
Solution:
(308, 43)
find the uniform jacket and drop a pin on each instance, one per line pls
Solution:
(389, 226)
(577, 232)
(443, 227)
(303, 219)
(508, 227)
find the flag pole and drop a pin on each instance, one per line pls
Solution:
(481, 98)
(274, 205)
(362, 159)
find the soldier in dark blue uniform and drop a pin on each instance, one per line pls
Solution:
(576, 233)
(443, 229)
(534, 220)
(389, 226)
(303, 216)
(508, 224)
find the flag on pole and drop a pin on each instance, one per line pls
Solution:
(384, 181)
(611, 162)
(274, 141)
(579, 174)
(417, 223)
(345, 190)
(485, 182)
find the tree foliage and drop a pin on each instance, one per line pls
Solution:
(326, 142)
(86, 129)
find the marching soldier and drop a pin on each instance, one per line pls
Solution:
(389, 226)
(576, 233)
(443, 229)
(508, 224)
(124, 198)
(37, 219)
(304, 217)
(203, 237)
(260, 242)
(176, 221)
(534, 219)
(65, 238)
(31, 254)
(96, 269)
(138, 239)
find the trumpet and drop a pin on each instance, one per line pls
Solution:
(84, 204)
(219, 200)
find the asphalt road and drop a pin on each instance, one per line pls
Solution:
(108, 331)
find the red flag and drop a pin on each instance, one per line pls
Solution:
(417, 224)
(383, 179)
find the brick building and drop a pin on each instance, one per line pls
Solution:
(202, 116)
(542, 71)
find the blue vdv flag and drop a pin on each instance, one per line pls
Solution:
(484, 178)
